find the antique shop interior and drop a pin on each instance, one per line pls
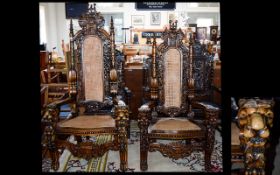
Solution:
(133, 87)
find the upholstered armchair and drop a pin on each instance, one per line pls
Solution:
(250, 134)
(179, 88)
(93, 96)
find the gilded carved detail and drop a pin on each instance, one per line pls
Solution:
(255, 118)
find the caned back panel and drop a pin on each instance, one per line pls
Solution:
(172, 78)
(93, 68)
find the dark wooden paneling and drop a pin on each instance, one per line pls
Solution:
(133, 78)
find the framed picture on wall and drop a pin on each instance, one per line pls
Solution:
(188, 32)
(137, 20)
(201, 33)
(193, 26)
(155, 18)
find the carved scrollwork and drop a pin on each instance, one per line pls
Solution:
(173, 150)
(202, 69)
(143, 124)
(172, 111)
(122, 117)
(92, 25)
(88, 150)
(92, 107)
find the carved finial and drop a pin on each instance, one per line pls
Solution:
(173, 25)
(170, 22)
(71, 29)
(191, 38)
(112, 23)
(154, 83)
(94, 7)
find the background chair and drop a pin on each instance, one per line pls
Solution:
(93, 95)
(250, 134)
(180, 80)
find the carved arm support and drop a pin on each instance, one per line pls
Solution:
(255, 118)
(211, 114)
(122, 117)
(144, 119)
(52, 114)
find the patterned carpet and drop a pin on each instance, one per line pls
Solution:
(110, 161)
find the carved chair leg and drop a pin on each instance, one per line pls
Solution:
(211, 116)
(54, 154)
(55, 159)
(208, 153)
(128, 129)
(121, 123)
(123, 149)
(123, 155)
(143, 154)
(144, 145)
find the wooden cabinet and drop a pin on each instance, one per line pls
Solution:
(44, 55)
(133, 77)
(217, 82)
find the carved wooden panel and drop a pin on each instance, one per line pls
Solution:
(93, 68)
(172, 78)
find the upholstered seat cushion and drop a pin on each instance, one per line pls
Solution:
(235, 134)
(174, 124)
(89, 121)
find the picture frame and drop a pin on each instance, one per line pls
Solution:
(193, 26)
(201, 33)
(137, 20)
(155, 18)
(188, 31)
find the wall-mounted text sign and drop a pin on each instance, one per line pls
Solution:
(151, 34)
(155, 5)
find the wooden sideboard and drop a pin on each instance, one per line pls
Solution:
(133, 77)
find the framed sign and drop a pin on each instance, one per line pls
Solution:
(155, 5)
(137, 20)
(213, 33)
(151, 34)
(155, 18)
(201, 33)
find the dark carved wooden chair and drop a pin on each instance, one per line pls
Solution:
(93, 96)
(250, 134)
(179, 90)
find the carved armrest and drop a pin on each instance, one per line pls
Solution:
(53, 109)
(211, 112)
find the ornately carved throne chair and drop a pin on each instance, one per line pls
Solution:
(250, 134)
(93, 90)
(179, 80)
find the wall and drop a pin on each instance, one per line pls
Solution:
(57, 26)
